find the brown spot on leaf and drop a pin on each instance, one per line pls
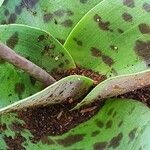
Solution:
(102, 24)
(115, 141)
(110, 111)
(46, 140)
(62, 41)
(120, 30)
(114, 114)
(142, 49)
(12, 18)
(12, 41)
(47, 17)
(129, 3)
(18, 9)
(69, 13)
(19, 88)
(70, 140)
(41, 38)
(132, 134)
(144, 28)
(83, 1)
(99, 123)
(60, 12)
(79, 43)
(95, 133)
(109, 124)
(96, 52)
(67, 23)
(146, 7)
(120, 123)
(107, 60)
(61, 65)
(127, 17)
(6, 12)
(100, 145)
(32, 80)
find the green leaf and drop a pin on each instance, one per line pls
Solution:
(113, 38)
(70, 87)
(39, 47)
(120, 124)
(57, 17)
(1, 1)
(118, 85)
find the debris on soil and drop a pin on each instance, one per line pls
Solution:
(80, 71)
(142, 95)
(55, 120)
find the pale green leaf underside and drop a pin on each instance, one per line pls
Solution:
(39, 47)
(116, 86)
(113, 38)
(1, 1)
(55, 16)
(120, 124)
(70, 87)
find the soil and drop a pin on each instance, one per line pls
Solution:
(58, 119)
(142, 95)
(80, 71)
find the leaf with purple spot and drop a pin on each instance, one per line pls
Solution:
(37, 46)
(56, 17)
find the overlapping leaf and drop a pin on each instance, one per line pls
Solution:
(116, 126)
(113, 38)
(116, 86)
(39, 47)
(58, 17)
(70, 87)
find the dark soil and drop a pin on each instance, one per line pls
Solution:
(55, 120)
(142, 95)
(58, 119)
(80, 71)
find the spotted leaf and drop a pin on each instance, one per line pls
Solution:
(113, 38)
(70, 87)
(58, 17)
(39, 47)
(116, 126)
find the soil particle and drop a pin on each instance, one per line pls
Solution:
(142, 95)
(54, 120)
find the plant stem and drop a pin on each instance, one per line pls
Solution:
(35, 71)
